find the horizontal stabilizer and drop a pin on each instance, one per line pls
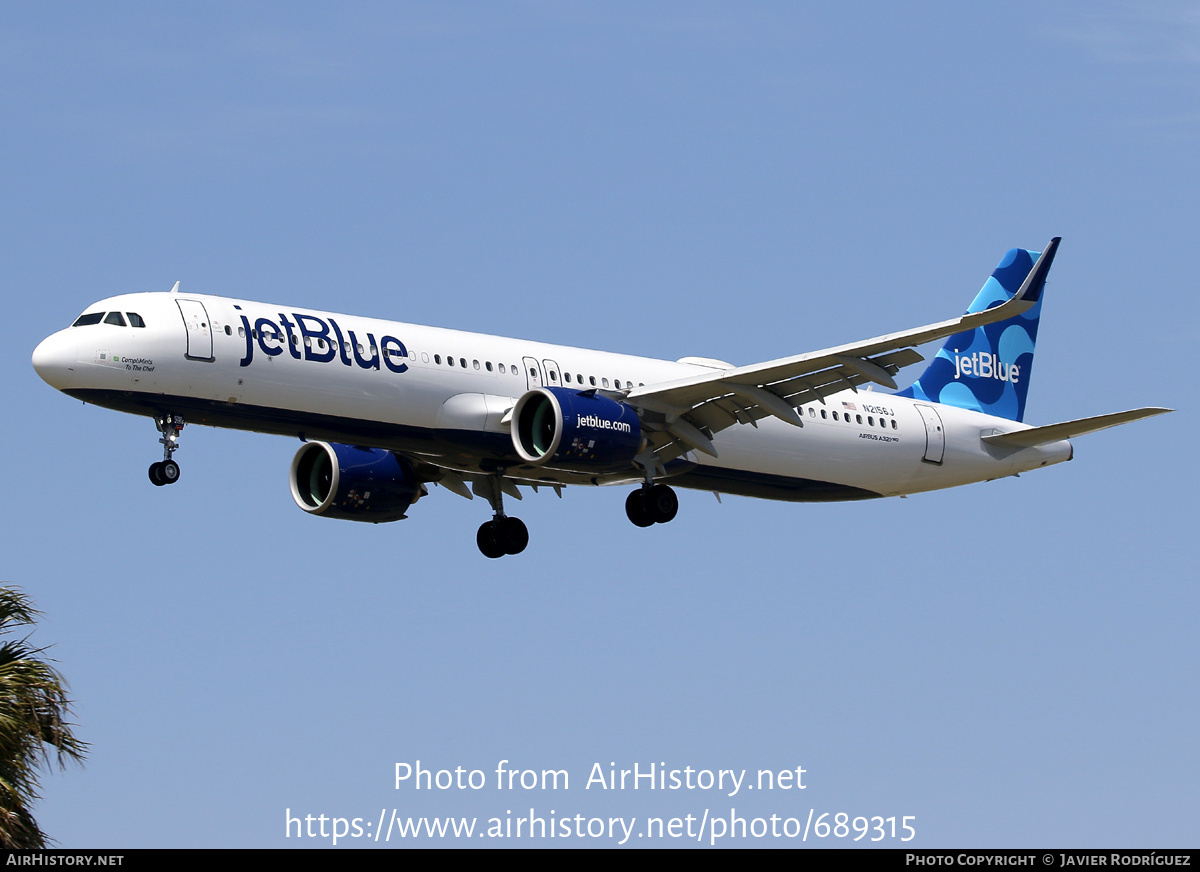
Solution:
(1068, 429)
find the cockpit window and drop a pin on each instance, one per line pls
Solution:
(88, 319)
(115, 319)
(135, 320)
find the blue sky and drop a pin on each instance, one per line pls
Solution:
(1012, 663)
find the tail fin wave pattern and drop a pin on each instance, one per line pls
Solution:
(988, 369)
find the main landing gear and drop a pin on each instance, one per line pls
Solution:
(651, 504)
(501, 535)
(166, 471)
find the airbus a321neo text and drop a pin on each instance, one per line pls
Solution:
(386, 409)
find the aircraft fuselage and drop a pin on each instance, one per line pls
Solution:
(440, 396)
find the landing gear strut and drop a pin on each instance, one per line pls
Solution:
(501, 535)
(651, 504)
(166, 471)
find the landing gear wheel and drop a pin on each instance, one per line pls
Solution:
(636, 511)
(656, 504)
(486, 540)
(501, 536)
(168, 471)
(155, 473)
(511, 534)
(662, 503)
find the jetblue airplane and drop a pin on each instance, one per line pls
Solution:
(386, 409)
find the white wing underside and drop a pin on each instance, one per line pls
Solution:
(683, 415)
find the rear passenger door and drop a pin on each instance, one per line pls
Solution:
(935, 437)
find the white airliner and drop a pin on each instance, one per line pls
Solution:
(386, 409)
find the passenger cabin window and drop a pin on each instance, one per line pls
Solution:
(115, 319)
(88, 319)
(135, 320)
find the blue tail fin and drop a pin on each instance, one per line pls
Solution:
(988, 369)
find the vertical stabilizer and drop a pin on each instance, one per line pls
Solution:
(987, 369)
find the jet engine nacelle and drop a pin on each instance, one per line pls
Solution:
(575, 430)
(354, 484)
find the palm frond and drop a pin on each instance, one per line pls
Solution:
(34, 730)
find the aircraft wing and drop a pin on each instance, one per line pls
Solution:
(684, 414)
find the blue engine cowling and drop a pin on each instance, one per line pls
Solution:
(354, 484)
(575, 430)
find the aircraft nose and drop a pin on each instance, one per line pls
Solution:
(54, 359)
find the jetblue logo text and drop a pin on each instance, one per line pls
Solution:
(986, 365)
(312, 341)
(598, 423)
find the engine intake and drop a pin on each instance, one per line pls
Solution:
(351, 483)
(575, 430)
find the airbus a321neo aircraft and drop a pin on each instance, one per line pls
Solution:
(386, 409)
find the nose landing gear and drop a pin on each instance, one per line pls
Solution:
(166, 471)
